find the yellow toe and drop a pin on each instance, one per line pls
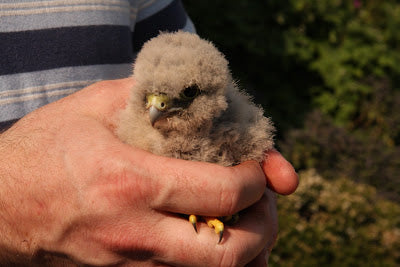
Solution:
(217, 225)
(193, 221)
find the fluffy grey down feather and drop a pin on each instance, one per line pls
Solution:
(220, 125)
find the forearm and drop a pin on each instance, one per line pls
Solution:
(14, 248)
(23, 207)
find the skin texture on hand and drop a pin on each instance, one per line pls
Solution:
(71, 193)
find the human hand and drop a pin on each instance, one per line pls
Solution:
(72, 193)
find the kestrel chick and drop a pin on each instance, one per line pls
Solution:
(186, 105)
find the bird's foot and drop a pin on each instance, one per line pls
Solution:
(217, 225)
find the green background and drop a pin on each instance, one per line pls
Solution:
(327, 72)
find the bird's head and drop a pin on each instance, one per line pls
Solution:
(181, 82)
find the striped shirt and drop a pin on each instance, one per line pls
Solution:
(50, 49)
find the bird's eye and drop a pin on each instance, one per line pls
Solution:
(190, 92)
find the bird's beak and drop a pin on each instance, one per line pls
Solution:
(158, 106)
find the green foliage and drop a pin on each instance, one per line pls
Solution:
(345, 45)
(328, 74)
(379, 115)
(356, 131)
(331, 56)
(335, 151)
(298, 55)
(338, 223)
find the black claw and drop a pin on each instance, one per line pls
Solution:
(194, 226)
(220, 236)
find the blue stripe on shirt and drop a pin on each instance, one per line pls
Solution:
(172, 18)
(62, 47)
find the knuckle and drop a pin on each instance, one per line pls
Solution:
(118, 181)
(229, 199)
(164, 192)
(228, 258)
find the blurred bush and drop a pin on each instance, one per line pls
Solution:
(337, 58)
(299, 54)
(345, 43)
(336, 223)
(337, 152)
(328, 74)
